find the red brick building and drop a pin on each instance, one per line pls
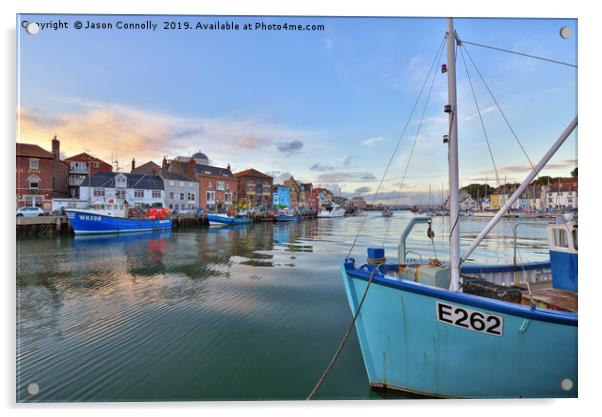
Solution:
(218, 187)
(256, 186)
(40, 175)
(80, 167)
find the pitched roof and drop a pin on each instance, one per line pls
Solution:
(180, 167)
(140, 181)
(149, 168)
(83, 157)
(252, 173)
(211, 170)
(34, 151)
(176, 177)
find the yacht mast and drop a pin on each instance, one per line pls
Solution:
(454, 186)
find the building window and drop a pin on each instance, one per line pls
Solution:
(34, 185)
(210, 184)
(120, 194)
(96, 165)
(171, 206)
(210, 197)
(139, 193)
(171, 195)
(156, 194)
(34, 163)
(99, 192)
(182, 196)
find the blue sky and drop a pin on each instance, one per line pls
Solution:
(326, 106)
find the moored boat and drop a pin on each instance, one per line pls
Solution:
(218, 219)
(460, 329)
(112, 218)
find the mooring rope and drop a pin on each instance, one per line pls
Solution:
(344, 340)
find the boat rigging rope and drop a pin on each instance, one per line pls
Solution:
(344, 340)
(499, 107)
(398, 143)
(374, 270)
(476, 103)
(521, 54)
(405, 172)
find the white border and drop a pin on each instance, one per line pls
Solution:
(589, 129)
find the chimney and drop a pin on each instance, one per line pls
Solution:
(190, 167)
(164, 165)
(56, 148)
(133, 164)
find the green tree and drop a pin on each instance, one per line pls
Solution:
(574, 172)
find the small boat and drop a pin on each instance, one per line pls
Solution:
(288, 215)
(387, 212)
(219, 219)
(111, 218)
(286, 218)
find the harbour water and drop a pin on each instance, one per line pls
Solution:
(249, 312)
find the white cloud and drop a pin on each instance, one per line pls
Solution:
(371, 141)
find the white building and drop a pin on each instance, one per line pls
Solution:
(561, 198)
(136, 190)
(468, 204)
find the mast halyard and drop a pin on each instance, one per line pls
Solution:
(454, 186)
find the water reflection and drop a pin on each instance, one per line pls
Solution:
(243, 312)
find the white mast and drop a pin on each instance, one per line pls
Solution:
(454, 186)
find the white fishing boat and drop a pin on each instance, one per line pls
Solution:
(330, 208)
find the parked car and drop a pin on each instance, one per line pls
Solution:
(30, 212)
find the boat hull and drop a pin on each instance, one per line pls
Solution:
(337, 212)
(86, 223)
(285, 218)
(217, 220)
(405, 347)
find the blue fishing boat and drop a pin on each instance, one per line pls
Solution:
(456, 329)
(100, 220)
(287, 218)
(225, 220)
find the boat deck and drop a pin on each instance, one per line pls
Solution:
(552, 299)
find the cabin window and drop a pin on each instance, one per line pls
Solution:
(139, 193)
(575, 237)
(99, 192)
(156, 194)
(561, 238)
(34, 163)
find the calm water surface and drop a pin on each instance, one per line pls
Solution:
(238, 313)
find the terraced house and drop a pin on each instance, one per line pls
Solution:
(256, 187)
(40, 175)
(137, 190)
(217, 186)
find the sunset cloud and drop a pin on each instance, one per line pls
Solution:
(111, 130)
